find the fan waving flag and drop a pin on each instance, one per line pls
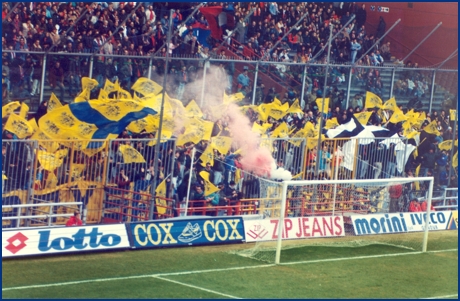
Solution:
(18, 126)
(390, 104)
(130, 154)
(325, 107)
(207, 156)
(91, 120)
(372, 101)
(208, 186)
(363, 117)
(160, 201)
(10, 108)
(146, 86)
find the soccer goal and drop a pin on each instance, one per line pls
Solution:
(344, 213)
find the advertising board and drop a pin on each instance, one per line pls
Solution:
(403, 222)
(169, 233)
(66, 239)
(294, 228)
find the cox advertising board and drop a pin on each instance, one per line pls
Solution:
(60, 240)
(404, 222)
(294, 228)
(170, 233)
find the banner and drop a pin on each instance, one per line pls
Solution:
(61, 240)
(173, 232)
(294, 228)
(403, 222)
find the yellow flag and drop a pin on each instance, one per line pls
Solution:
(103, 95)
(398, 116)
(10, 108)
(372, 101)
(281, 131)
(18, 126)
(455, 160)
(390, 104)
(24, 110)
(53, 103)
(88, 83)
(233, 97)
(222, 144)
(207, 129)
(244, 109)
(237, 175)
(51, 181)
(278, 111)
(123, 94)
(260, 129)
(312, 142)
(295, 107)
(207, 156)
(50, 146)
(363, 117)
(446, 145)
(130, 154)
(432, 128)
(165, 135)
(297, 137)
(193, 110)
(110, 87)
(146, 86)
(330, 123)
(196, 128)
(33, 124)
(453, 115)
(51, 161)
(310, 130)
(208, 186)
(263, 110)
(83, 96)
(319, 103)
(161, 202)
(149, 124)
(77, 170)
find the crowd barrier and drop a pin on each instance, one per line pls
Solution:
(193, 231)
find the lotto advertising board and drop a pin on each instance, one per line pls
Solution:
(171, 233)
(404, 222)
(61, 240)
(294, 228)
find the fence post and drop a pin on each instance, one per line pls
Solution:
(91, 63)
(393, 75)
(149, 74)
(42, 84)
(204, 83)
(302, 92)
(432, 91)
(255, 84)
(350, 74)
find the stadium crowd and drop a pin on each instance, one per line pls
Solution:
(79, 27)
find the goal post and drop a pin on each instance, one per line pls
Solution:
(360, 192)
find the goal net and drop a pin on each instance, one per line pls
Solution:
(341, 213)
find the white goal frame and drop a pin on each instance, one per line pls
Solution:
(285, 185)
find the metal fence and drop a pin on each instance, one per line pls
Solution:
(435, 89)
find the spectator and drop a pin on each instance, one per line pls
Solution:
(74, 220)
(56, 79)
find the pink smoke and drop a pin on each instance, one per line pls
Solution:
(255, 159)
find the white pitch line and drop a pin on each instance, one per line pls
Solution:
(210, 271)
(197, 287)
(442, 297)
(363, 257)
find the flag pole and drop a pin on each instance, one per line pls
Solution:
(189, 181)
(158, 137)
(321, 120)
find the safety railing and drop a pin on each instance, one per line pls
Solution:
(33, 215)
(445, 199)
(123, 206)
